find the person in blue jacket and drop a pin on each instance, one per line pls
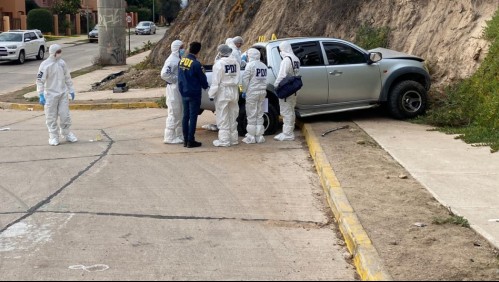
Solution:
(191, 80)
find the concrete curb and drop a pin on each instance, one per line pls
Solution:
(82, 107)
(365, 256)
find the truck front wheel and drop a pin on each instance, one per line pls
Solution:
(408, 99)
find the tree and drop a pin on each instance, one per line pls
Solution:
(170, 9)
(62, 7)
(140, 3)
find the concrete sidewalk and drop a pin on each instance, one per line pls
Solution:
(461, 177)
(83, 84)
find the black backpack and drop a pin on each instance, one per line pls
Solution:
(289, 85)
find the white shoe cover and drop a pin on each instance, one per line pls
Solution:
(249, 139)
(53, 141)
(174, 141)
(71, 138)
(217, 143)
(284, 137)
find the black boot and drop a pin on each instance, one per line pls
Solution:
(194, 144)
(185, 143)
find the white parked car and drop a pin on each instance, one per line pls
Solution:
(17, 45)
(93, 35)
(145, 27)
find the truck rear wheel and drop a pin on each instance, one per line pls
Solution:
(408, 99)
(270, 120)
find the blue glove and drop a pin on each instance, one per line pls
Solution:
(243, 95)
(72, 96)
(42, 99)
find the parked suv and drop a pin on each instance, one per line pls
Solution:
(145, 28)
(340, 76)
(17, 45)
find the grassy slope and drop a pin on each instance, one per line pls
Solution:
(471, 107)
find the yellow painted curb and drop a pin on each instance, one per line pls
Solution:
(82, 107)
(366, 259)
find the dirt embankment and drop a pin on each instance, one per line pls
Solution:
(447, 34)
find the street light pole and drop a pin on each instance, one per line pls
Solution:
(88, 24)
(153, 10)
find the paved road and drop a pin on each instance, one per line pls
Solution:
(78, 55)
(131, 208)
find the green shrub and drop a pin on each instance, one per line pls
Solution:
(161, 102)
(41, 19)
(370, 37)
(471, 107)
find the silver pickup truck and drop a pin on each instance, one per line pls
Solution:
(339, 76)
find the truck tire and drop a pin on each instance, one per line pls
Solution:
(408, 99)
(22, 57)
(270, 120)
(41, 53)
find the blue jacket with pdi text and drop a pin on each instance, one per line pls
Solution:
(191, 77)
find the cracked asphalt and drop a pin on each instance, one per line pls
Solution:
(121, 205)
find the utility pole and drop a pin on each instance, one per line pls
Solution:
(153, 10)
(88, 24)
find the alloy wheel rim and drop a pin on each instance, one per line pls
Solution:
(412, 101)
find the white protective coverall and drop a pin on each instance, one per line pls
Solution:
(169, 73)
(54, 81)
(236, 52)
(224, 89)
(255, 85)
(287, 105)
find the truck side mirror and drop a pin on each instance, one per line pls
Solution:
(375, 57)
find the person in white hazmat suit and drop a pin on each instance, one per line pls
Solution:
(53, 84)
(236, 52)
(224, 90)
(255, 91)
(169, 73)
(290, 66)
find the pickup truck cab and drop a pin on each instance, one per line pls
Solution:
(339, 76)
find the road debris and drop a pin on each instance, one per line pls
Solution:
(420, 224)
(5, 129)
(494, 220)
(98, 138)
(335, 129)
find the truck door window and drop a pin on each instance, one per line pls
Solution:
(309, 53)
(263, 54)
(340, 54)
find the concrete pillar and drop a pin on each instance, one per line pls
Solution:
(56, 25)
(6, 23)
(68, 28)
(24, 22)
(78, 24)
(112, 32)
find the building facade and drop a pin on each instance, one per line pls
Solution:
(12, 12)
